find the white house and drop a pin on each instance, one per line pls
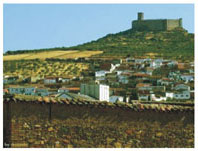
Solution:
(172, 63)
(119, 72)
(156, 63)
(98, 91)
(182, 87)
(16, 90)
(22, 90)
(29, 90)
(101, 73)
(158, 98)
(63, 90)
(144, 97)
(8, 79)
(187, 78)
(64, 79)
(169, 95)
(141, 61)
(123, 79)
(165, 81)
(50, 80)
(182, 95)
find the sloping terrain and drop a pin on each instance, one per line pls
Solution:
(177, 44)
(51, 54)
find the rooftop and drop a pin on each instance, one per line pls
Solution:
(138, 107)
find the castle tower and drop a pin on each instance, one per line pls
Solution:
(140, 16)
(180, 22)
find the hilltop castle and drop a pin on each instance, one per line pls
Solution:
(155, 24)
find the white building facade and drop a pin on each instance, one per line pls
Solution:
(98, 91)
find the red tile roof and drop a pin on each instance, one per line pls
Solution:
(5, 90)
(106, 66)
(143, 85)
(158, 107)
(140, 75)
(73, 89)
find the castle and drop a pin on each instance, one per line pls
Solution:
(155, 24)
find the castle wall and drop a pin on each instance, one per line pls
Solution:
(172, 24)
(149, 25)
(156, 25)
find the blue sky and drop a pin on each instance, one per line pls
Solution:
(35, 26)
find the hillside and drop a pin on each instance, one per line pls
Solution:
(42, 68)
(166, 44)
(178, 44)
(42, 55)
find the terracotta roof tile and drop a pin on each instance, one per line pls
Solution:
(155, 106)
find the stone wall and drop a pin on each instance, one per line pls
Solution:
(28, 124)
(156, 25)
(173, 23)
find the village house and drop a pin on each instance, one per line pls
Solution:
(149, 87)
(181, 66)
(100, 73)
(22, 90)
(10, 79)
(104, 69)
(124, 77)
(34, 79)
(181, 95)
(41, 92)
(50, 80)
(139, 61)
(16, 90)
(97, 91)
(64, 79)
(149, 71)
(158, 97)
(172, 63)
(128, 60)
(169, 95)
(187, 78)
(178, 95)
(140, 75)
(156, 63)
(69, 89)
(141, 85)
(165, 81)
(63, 90)
(29, 90)
(182, 87)
(122, 68)
(143, 95)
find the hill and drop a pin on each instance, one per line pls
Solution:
(178, 44)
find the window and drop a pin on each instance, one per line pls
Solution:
(187, 95)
